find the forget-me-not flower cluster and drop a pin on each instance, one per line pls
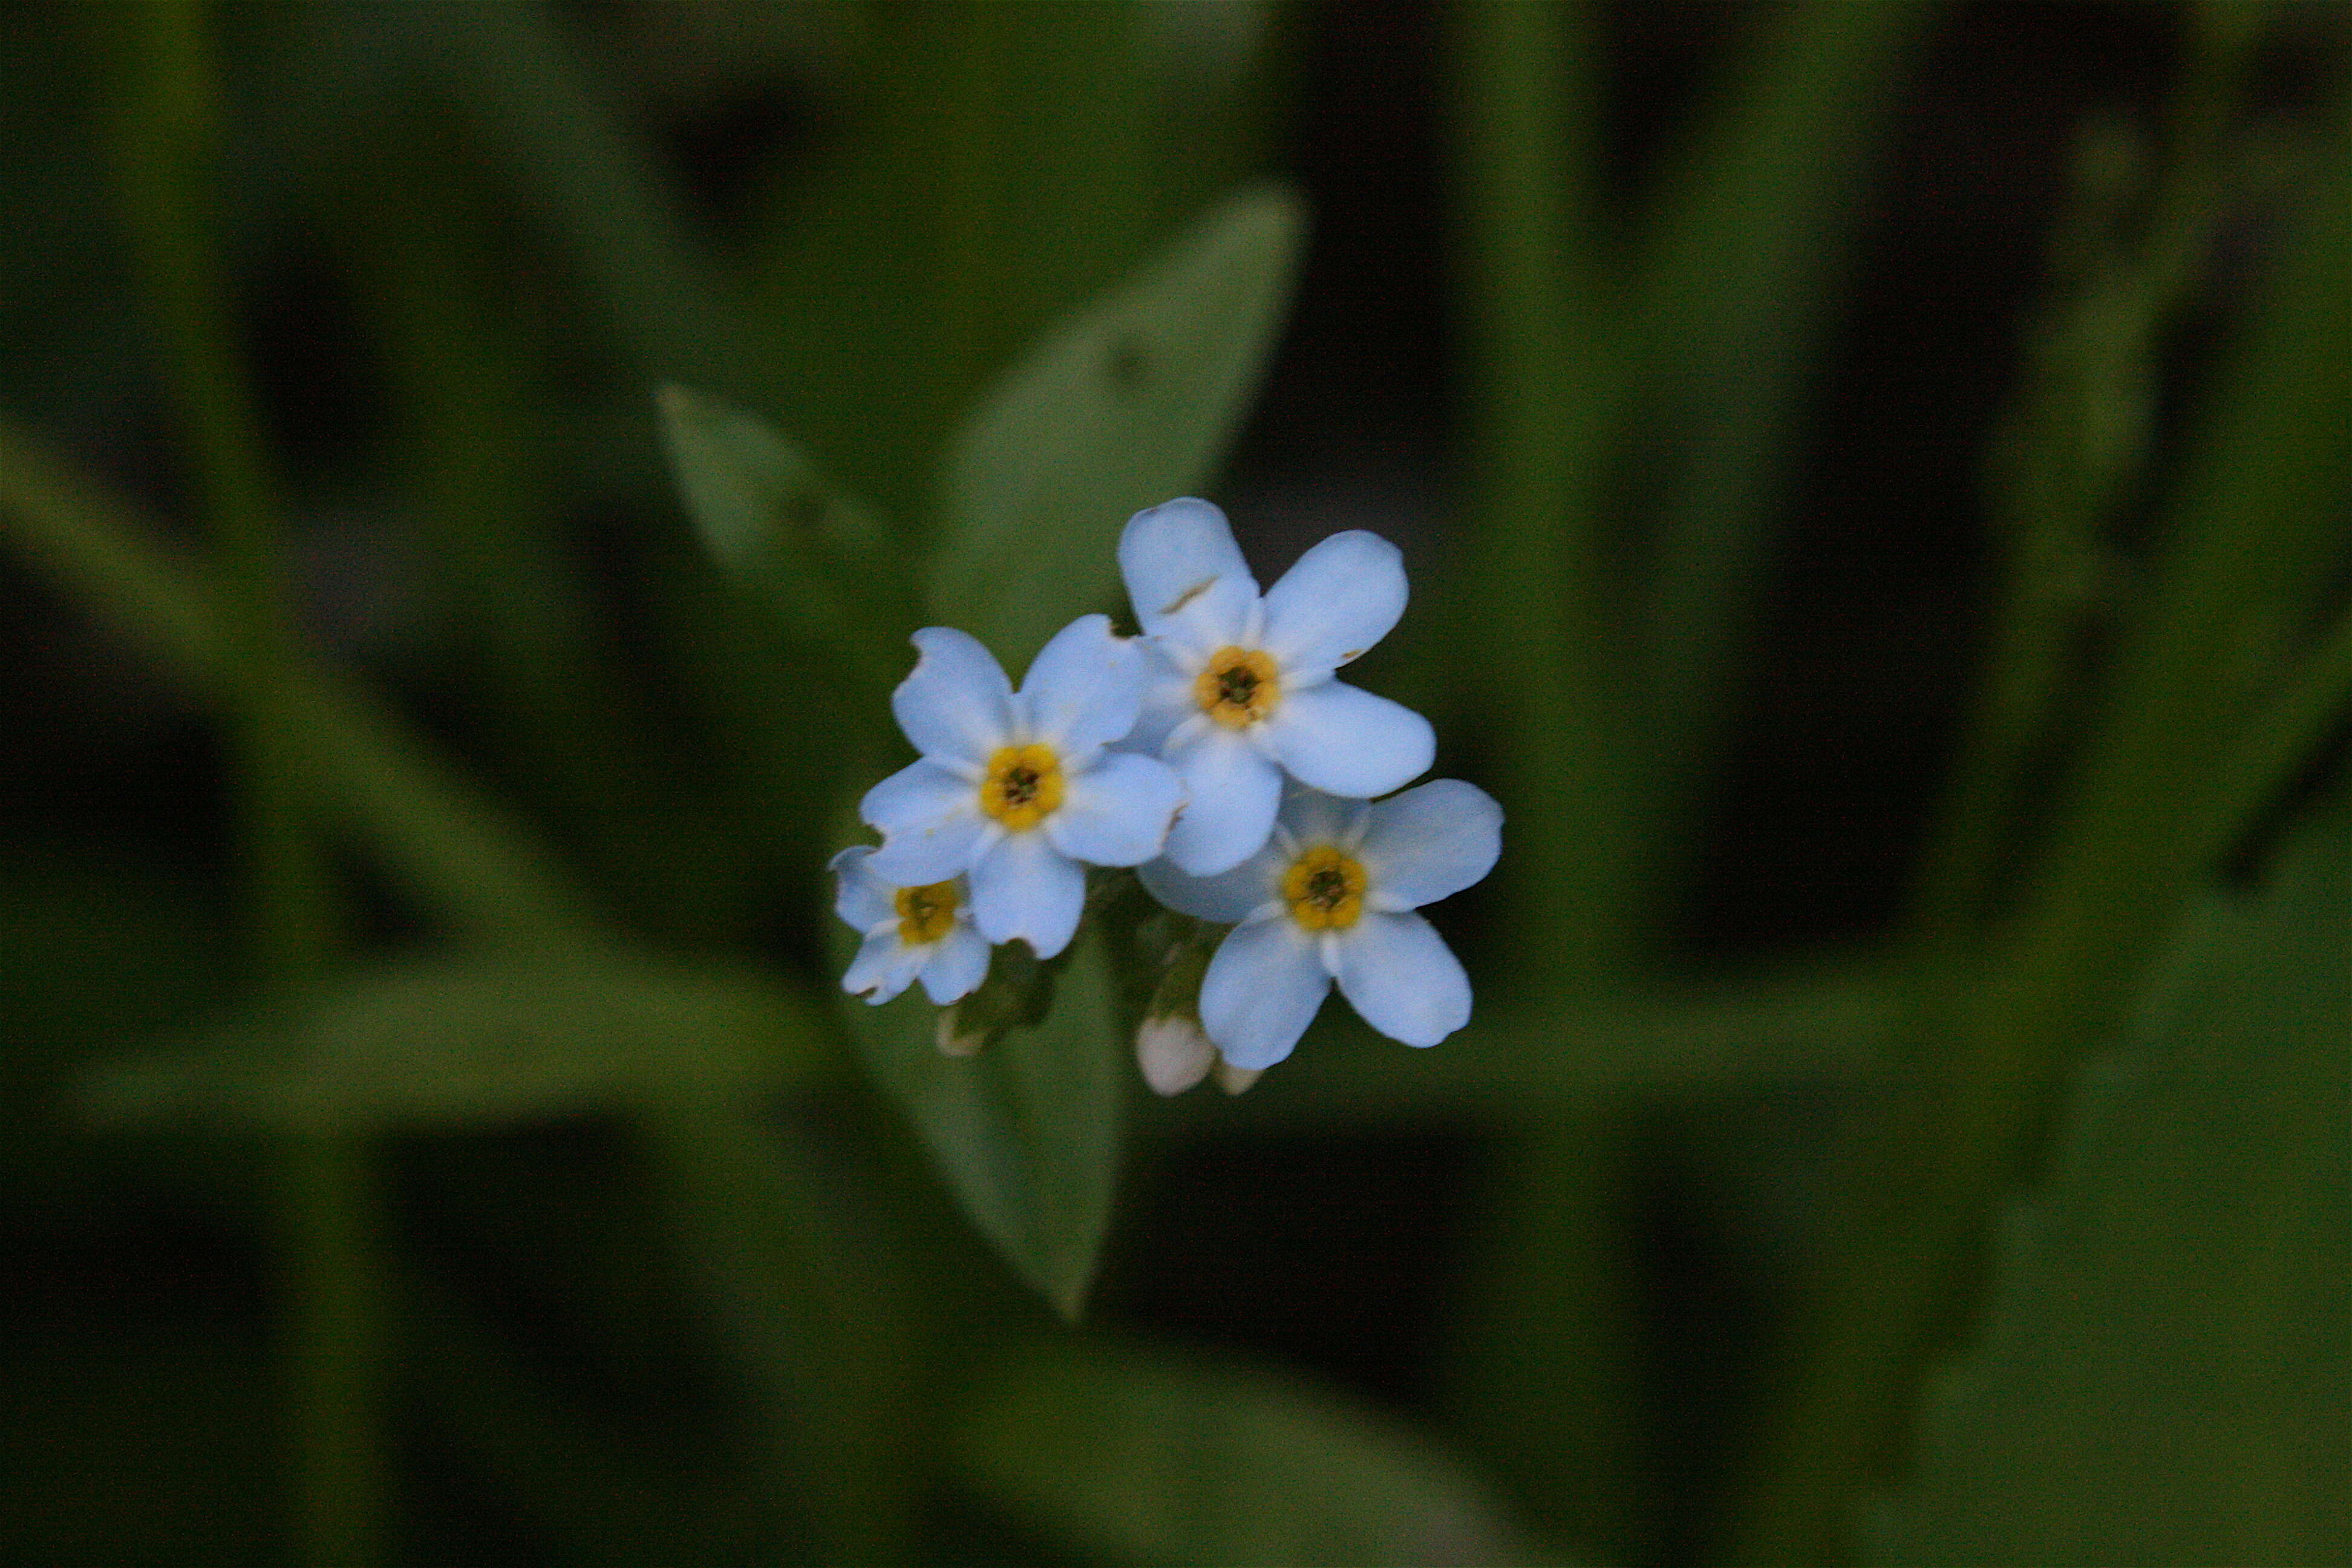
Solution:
(1215, 752)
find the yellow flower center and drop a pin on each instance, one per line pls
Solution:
(925, 913)
(1022, 787)
(1325, 889)
(1237, 687)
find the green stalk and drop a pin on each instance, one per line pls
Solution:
(457, 854)
(1544, 386)
(1539, 1372)
(2075, 443)
(168, 151)
(969, 47)
(2256, 521)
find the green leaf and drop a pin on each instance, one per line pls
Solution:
(1026, 1132)
(1126, 405)
(2165, 1376)
(467, 1042)
(813, 555)
(1160, 1459)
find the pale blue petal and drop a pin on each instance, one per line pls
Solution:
(1232, 792)
(1023, 888)
(954, 965)
(1398, 973)
(1186, 577)
(1083, 689)
(884, 967)
(1167, 703)
(1310, 817)
(1344, 741)
(1429, 843)
(1261, 992)
(957, 706)
(931, 825)
(862, 897)
(1340, 598)
(1226, 898)
(1116, 813)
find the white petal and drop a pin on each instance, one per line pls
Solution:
(1340, 598)
(1429, 843)
(1400, 974)
(1227, 897)
(1261, 992)
(1083, 689)
(1185, 575)
(956, 705)
(955, 964)
(1344, 741)
(931, 825)
(884, 967)
(862, 897)
(1232, 792)
(1117, 812)
(1026, 889)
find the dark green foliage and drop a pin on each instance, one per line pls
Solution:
(437, 1133)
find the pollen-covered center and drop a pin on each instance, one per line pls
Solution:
(1325, 889)
(1237, 687)
(925, 913)
(1022, 787)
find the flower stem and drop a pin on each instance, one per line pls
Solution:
(167, 148)
(1545, 391)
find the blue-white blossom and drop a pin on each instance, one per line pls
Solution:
(1330, 898)
(1017, 790)
(911, 932)
(1241, 690)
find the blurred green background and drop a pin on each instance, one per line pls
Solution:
(1876, 480)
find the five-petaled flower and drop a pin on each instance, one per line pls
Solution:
(1330, 896)
(922, 931)
(1242, 691)
(1015, 790)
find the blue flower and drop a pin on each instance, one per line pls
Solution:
(911, 932)
(1330, 898)
(1015, 790)
(1241, 690)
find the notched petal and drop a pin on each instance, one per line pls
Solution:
(956, 705)
(1085, 687)
(1341, 597)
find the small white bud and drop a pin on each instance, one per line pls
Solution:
(954, 1041)
(1173, 1053)
(1233, 1080)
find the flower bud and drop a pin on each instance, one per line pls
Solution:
(1173, 1053)
(954, 1039)
(1233, 1080)
(1017, 994)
